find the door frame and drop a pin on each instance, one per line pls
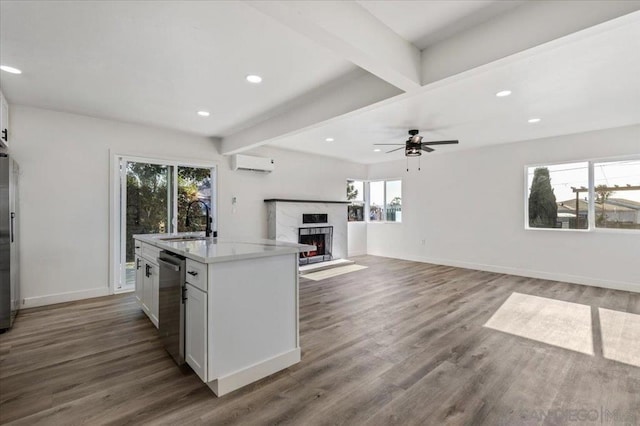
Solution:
(117, 203)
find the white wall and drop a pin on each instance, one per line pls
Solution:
(64, 193)
(468, 206)
(357, 238)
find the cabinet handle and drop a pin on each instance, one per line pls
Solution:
(192, 273)
(5, 135)
(137, 263)
(137, 246)
(184, 294)
(147, 270)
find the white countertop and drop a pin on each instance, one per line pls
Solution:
(212, 250)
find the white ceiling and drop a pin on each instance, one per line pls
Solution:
(424, 22)
(157, 62)
(582, 82)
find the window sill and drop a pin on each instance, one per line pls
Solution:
(595, 230)
(557, 229)
(382, 222)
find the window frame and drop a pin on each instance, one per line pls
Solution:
(591, 214)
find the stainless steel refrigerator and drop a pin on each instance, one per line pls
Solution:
(9, 274)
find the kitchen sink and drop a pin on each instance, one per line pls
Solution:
(182, 239)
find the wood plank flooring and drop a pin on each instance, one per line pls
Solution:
(397, 343)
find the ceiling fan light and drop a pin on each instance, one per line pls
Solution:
(412, 152)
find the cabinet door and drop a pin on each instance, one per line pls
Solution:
(139, 278)
(154, 303)
(195, 344)
(146, 287)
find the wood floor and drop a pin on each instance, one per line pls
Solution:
(396, 343)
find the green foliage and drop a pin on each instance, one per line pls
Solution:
(189, 181)
(397, 201)
(146, 201)
(543, 210)
(352, 192)
(148, 198)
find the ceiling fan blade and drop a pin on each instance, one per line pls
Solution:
(426, 148)
(390, 144)
(439, 143)
(393, 150)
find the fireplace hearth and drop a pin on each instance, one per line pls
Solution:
(321, 237)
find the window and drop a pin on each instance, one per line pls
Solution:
(376, 201)
(379, 201)
(355, 194)
(563, 196)
(558, 196)
(617, 194)
(393, 204)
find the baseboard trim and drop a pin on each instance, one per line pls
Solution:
(233, 381)
(573, 279)
(52, 299)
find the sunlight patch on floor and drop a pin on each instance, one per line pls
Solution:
(330, 273)
(620, 336)
(563, 324)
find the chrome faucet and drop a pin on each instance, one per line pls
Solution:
(187, 219)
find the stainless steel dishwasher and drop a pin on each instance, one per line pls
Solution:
(171, 304)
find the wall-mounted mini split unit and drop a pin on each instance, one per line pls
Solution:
(249, 162)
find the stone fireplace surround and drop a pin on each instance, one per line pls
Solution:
(284, 219)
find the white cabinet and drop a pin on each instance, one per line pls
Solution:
(195, 345)
(139, 278)
(148, 280)
(197, 274)
(146, 287)
(151, 290)
(4, 122)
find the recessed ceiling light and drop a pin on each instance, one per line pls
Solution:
(329, 139)
(377, 150)
(204, 113)
(9, 69)
(534, 120)
(254, 79)
(503, 93)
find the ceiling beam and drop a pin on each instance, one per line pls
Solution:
(353, 92)
(351, 32)
(531, 24)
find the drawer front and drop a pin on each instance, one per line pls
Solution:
(150, 252)
(197, 274)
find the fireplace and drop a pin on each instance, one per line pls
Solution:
(321, 237)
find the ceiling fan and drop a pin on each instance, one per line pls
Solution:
(414, 146)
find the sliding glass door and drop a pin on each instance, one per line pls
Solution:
(194, 192)
(156, 196)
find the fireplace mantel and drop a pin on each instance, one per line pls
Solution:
(284, 200)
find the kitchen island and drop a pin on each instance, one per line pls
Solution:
(240, 303)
